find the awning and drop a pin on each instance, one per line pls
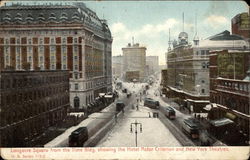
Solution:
(210, 106)
(230, 116)
(108, 96)
(221, 122)
(101, 94)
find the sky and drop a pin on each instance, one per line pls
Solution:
(149, 21)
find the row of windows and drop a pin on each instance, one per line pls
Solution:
(40, 40)
(31, 82)
(29, 110)
(232, 103)
(29, 96)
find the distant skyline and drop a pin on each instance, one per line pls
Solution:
(149, 21)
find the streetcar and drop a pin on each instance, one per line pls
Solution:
(149, 102)
(120, 106)
(170, 113)
(190, 128)
(78, 137)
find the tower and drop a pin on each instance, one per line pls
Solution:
(196, 38)
(169, 42)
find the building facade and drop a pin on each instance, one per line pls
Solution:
(153, 64)
(240, 25)
(117, 64)
(31, 101)
(230, 88)
(134, 60)
(188, 67)
(59, 37)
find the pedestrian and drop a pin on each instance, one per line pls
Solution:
(116, 117)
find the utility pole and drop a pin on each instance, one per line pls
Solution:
(131, 130)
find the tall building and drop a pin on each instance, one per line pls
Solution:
(59, 37)
(153, 64)
(31, 101)
(134, 62)
(241, 25)
(188, 67)
(117, 64)
(230, 91)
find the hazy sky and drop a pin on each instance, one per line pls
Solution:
(149, 21)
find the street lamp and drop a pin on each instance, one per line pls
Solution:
(131, 130)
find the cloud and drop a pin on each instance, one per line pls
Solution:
(153, 36)
(216, 21)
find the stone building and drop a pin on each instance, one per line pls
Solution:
(230, 90)
(134, 62)
(153, 64)
(188, 67)
(31, 101)
(117, 64)
(59, 37)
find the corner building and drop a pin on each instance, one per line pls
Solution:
(31, 102)
(59, 37)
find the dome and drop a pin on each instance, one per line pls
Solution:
(183, 36)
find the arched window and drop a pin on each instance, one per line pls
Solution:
(76, 102)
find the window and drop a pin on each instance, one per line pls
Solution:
(64, 66)
(6, 41)
(18, 41)
(76, 67)
(64, 58)
(203, 65)
(75, 40)
(202, 81)
(52, 66)
(30, 58)
(29, 41)
(18, 49)
(75, 48)
(41, 40)
(207, 64)
(41, 49)
(202, 52)
(64, 40)
(76, 86)
(203, 91)
(76, 102)
(52, 58)
(76, 75)
(76, 57)
(29, 49)
(64, 49)
(52, 40)
(41, 59)
(52, 48)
